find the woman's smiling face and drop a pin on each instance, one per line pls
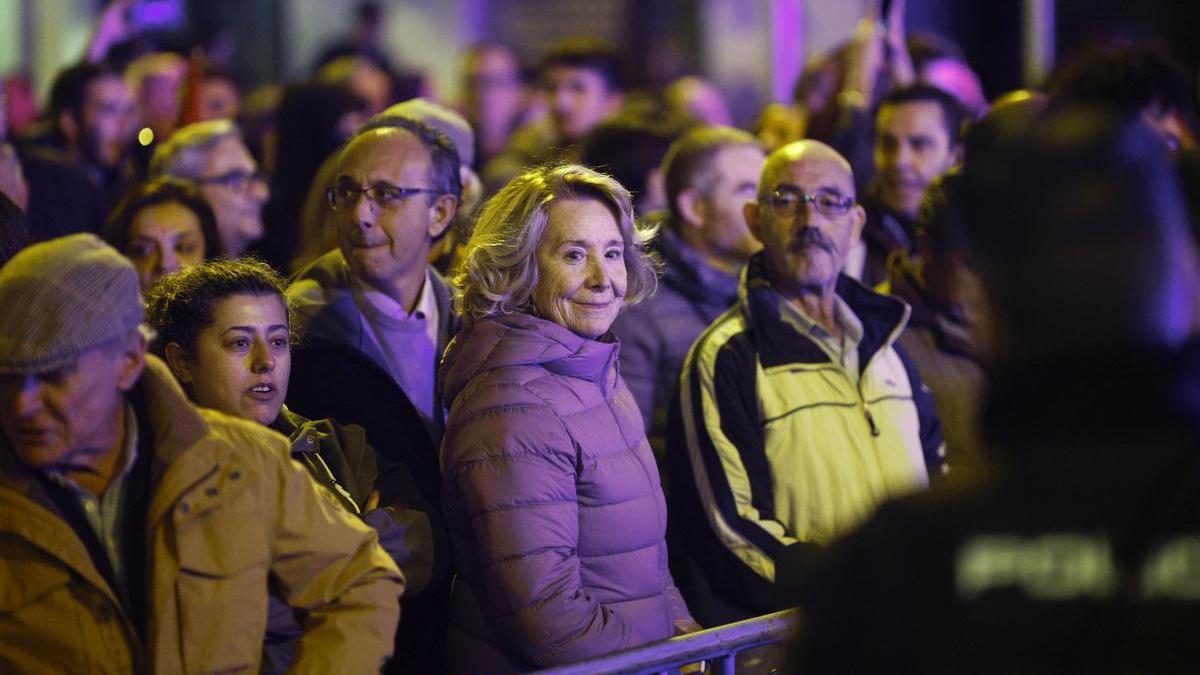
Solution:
(581, 267)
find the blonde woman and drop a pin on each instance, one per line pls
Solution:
(553, 499)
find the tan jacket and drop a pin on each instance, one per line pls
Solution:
(228, 510)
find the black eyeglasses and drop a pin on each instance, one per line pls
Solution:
(383, 195)
(238, 180)
(788, 203)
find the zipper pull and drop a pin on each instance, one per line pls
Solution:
(871, 422)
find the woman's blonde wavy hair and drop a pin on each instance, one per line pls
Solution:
(499, 269)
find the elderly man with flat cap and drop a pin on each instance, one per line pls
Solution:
(139, 533)
(797, 414)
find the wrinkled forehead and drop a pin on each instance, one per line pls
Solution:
(386, 151)
(809, 172)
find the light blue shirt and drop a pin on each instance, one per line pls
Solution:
(843, 351)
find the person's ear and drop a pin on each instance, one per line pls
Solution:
(132, 357)
(441, 214)
(178, 363)
(860, 221)
(691, 207)
(750, 210)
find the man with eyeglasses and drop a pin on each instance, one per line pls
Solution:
(796, 414)
(213, 155)
(376, 319)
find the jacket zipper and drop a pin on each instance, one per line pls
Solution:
(338, 486)
(862, 400)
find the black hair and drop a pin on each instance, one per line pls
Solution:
(215, 71)
(1107, 206)
(181, 305)
(924, 46)
(162, 190)
(590, 53)
(952, 111)
(940, 218)
(444, 164)
(69, 92)
(369, 12)
(631, 145)
(306, 133)
(14, 235)
(1130, 76)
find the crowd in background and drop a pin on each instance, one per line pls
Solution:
(564, 367)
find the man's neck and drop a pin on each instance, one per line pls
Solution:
(98, 474)
(726, 264)
(819, 305)
(405, 291)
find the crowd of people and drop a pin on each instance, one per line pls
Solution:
(336, 377)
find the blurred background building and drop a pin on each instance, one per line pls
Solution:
(753, 49)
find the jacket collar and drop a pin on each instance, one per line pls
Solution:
(172, 425)
(522, 339)
(883, 318)
(177, 428)
(689, 274)
(323, 298)
(304, 435)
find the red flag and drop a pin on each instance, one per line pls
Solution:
(192, 107)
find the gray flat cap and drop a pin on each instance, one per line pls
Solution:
(62, 298)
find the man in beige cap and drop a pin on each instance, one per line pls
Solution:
(137, 532)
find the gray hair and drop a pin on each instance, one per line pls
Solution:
(499, 270)
(183, 154)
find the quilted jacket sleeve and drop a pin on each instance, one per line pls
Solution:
(511, 474)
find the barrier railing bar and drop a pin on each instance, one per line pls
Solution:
(718, 645)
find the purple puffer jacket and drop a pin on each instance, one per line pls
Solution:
(553, 500)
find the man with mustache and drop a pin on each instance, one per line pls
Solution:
(797, 414)
(917, 138)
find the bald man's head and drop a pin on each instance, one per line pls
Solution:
(806, 216)
(807, 151)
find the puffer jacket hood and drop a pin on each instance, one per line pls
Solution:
(524, 340)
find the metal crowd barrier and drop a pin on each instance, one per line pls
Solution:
(718, 647)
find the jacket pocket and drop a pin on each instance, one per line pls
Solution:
(28, 580)
(222, 584)
(44, 621)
